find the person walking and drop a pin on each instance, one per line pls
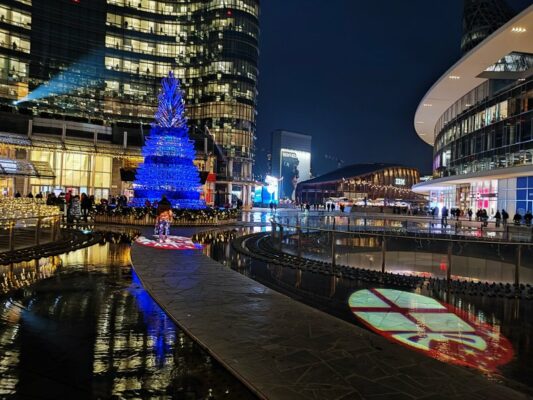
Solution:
(497, 218)
(505, 217)
(470, 213)
(164, 219)
(86, 206)
(528, 217)
(517, 218)
(75, 209)
(444, 217)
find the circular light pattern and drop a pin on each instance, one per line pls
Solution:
(437, 329)
(172, 243)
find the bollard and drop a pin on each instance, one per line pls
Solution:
(383, 253)
(333, 253)
(449, 271)
(518, 261)
(38, 231)
(11, 235)
(299, 231)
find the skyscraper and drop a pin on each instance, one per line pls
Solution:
(101, 61)
(480, 19)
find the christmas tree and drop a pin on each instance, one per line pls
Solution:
(168, 168)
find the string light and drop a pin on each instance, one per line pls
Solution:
(24, 212)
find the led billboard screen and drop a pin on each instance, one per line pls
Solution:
(295, 167)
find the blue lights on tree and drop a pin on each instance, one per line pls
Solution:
(168, 168)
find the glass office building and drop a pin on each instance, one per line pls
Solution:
(100, 63)
(478, 118)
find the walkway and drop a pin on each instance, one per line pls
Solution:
(283, 349)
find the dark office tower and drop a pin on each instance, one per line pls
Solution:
(67, 45)
(480, 19)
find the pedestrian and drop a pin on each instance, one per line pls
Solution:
(39, 195)
(332, 206)
(164, 219)
(75, 209)
(17, 195)
(517, 218)
(485, 217)
(30, 196)
(497, 218)
(470, 212)
(271, 206)
(505, 217)
(86, 206)
(528, 217)
(328, 206)
(68, 197)
(444, 217)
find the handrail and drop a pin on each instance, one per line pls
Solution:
(401, 232)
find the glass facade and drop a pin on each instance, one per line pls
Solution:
(483, 132)
(101, 61)
(79, 172)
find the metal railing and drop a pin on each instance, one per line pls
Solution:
(27, 222)
(398, 247)
(18, 233)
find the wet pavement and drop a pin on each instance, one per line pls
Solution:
(510, 318)
(80, 326)
(284, 349)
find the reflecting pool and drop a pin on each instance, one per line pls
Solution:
(80, 326)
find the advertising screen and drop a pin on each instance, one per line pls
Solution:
(295, 167)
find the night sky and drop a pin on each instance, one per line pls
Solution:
(351, 74)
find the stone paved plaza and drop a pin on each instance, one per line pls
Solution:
(283, 349)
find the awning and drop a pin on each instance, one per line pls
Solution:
(38, 169)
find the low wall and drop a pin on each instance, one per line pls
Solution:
(149, 220)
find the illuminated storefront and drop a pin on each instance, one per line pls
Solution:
(379, 184)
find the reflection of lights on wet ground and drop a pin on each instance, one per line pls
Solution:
(439, 330)
(172, 243)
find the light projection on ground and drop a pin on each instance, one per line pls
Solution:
(439, 330)
(172, 243)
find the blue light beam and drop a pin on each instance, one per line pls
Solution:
(88, 71)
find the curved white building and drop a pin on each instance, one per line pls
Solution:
(478, 118)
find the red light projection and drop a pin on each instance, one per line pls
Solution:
(436, 329)
(172, 243)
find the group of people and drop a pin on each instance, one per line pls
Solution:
(29, 195)
(78, 207)
(481, 215)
